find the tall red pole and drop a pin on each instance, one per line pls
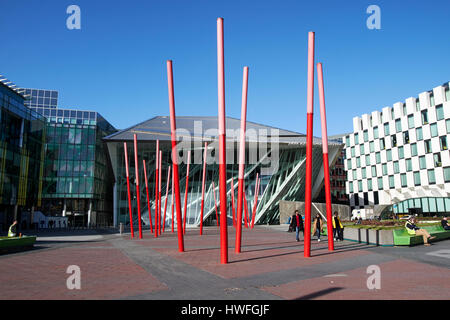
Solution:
(128, 189)
(215, 203)
(148, 198)
(186, 192)
(138, 195)
(172, 205)
(326, 168)
(167, 196)
(222, 145)
(256, 199)
(309, 145)
(232, 202)
(203, 188)
(241, 161)
(156, 187)
(246, 216)
(173, 128)
(159, 192)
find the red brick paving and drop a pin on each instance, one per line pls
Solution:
(105, 274)
(400, 280)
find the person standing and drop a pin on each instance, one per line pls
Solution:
(298, 222)
(337, 228)
(318, 226)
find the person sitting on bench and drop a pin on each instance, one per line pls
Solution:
(412, 229)
(445, 224)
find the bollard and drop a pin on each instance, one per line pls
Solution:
(121, 228)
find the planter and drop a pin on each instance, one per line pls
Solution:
(369, 236)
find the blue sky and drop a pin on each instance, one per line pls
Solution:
(116, 63)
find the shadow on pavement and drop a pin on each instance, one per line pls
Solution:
(318, 293)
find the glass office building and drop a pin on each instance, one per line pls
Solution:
(40, 98)
(276, 155)
(22, 142)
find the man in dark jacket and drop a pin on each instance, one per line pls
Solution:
(297, 221)
(444, 223)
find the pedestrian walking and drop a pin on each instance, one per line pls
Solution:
(298, 221)
(318, 226)
(338, 228)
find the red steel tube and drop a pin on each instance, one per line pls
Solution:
(232, 202)
(309, 145)
(215, 203)
(173, 128)
(138, 195)
(156, 187)
(172, 205)
(186, 192)
(165, 203)
(246, 211)
(148, 198)
(326, 167)
(128, 189)
(222, 145)
(238, 239)
(203, 188)
(256, 199)
(159, 192)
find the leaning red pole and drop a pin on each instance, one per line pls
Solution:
(165, 203)
(173, 128)
(203, 188)
(215, 203)
(159, 192)
(128, 189)
(138, 195)
(232, 202)
(241, 161)
(222, 144)
(156, 187)
(309, 145)
(326, 167)
(172, 205)
(186, 192)
(256, 199)
(246, 216)
(148, 198)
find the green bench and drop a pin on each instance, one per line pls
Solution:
(8, 244)
(403, 238)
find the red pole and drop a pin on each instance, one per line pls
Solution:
(156, 187)
(246, 211)
(176, 179)
(203, 188)
(172, 205)
(326, 168)
(256, 199)
(148, 198)
(128, 189)
(232, 201)
(138, 195)
(241, 161)
(159, 191)
(215, 203)
(186, 192)
(222, 145)
(167, 196)
(309, 145)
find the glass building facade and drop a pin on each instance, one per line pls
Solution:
(40, 98)
(22, 147)
(282, 181)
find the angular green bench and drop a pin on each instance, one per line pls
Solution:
(8, 244)
(403, 238)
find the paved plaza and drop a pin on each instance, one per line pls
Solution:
(270, 267)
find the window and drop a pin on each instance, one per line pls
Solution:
(369, 185)
(375, 132)
(408, 165)
(434, 130)
(443, 142)
(360, 188)
(427, 146)
(393, 141)
(392, 113)
(404, 109)
(382, 144)
(431, 177)
(349, 164)
(405, 137)
(417, 178)
(384, 169)
(424, 117)
(371, 146)
(413, 149)
(411, 121)
(353, 151)
(398, 125)
(386, 129)
(439, 112)
(374, 171)
(350, 187)
(396, 167)
(391, 182)
(377, 157)
(366, 135)
(347, 141)
(447, 174)
(432, 99)
(419, 134)
(401, 153)
(389, 155)
(367, 160)
(380, 183)
(356, 138)
(447, 94)
(403, 180)
(361, 149)
(358, 162)
(422, 162)
(447, 124)
(437, 160)
(417, 104)
(363, 173)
